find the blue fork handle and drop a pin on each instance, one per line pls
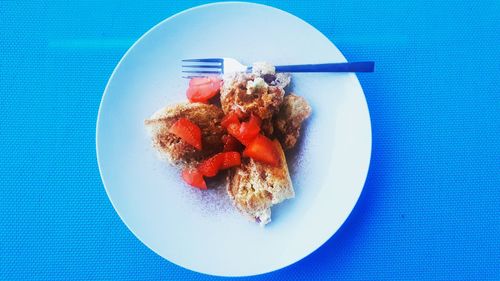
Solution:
(364, 66)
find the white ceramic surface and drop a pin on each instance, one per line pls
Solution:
(200, 230)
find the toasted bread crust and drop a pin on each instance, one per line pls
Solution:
(254, 187)
(262, 101)
(171, 147)
(287, 123)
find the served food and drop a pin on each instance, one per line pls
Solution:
(287, 123)
(178, 150)
(245, 135)
(255, 186)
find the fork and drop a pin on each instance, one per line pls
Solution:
(217, 66)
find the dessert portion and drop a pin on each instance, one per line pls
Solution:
(261, 93)
(245, 136)
(287, 123)
(247, 93)
(174, 148)
(254, 187)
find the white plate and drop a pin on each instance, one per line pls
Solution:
(200, 230)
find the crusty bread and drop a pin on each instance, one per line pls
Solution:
(175, 150)
(245, 94)
(254, 187)
(293, 111)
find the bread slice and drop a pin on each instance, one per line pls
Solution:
(254, 187)
(293, 111)
(245, 94)
(174, 149)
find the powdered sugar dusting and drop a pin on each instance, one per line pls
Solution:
(214, 201)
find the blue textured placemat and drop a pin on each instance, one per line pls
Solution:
(431, 204)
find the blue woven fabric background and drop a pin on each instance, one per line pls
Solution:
(431, 204)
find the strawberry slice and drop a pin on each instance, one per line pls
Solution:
(229, 119)
(230, 143)
(254, 119)
(246, 131)
(249, 130)
(234, 130)
(194, 178)
(216, 83)
(230, 159)
(219, 161)
(187, 131)
(201, 89)
(211, 166)
(262, 149)
(197, 81)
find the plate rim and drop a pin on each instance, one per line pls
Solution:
(126, 54)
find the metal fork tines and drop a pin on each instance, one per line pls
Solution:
(202, 67)
(212, 66)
